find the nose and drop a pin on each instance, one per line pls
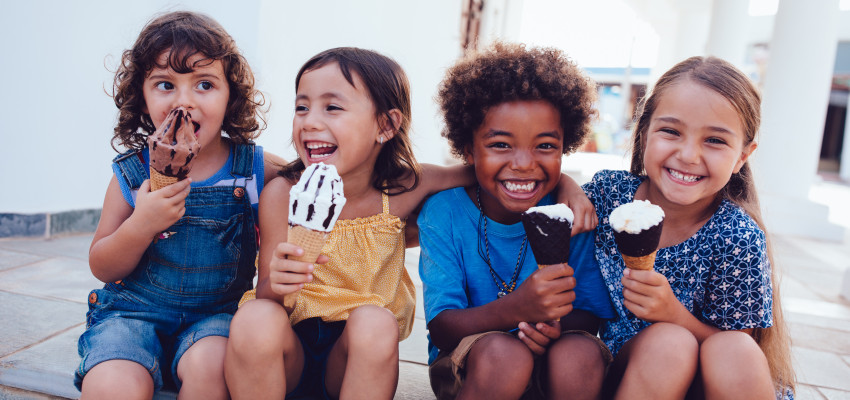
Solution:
(522, 160)
(690, 152)
(310, 121)
(185, 98)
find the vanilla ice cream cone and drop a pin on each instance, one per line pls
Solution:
(637, 232)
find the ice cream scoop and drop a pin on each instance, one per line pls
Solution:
(317, 199)
(548, 229)
(637, 232)
(173, 148)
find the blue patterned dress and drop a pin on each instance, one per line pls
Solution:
(721, 273)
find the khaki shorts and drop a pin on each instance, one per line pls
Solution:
(447, 371)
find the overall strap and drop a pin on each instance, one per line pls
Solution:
(132, 167)
(385, 199)
(243, 160)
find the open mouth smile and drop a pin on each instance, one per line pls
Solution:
(319, 151)
(686, 178)
(520, 189)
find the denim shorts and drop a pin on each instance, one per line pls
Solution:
(120, 328)
(317, 339)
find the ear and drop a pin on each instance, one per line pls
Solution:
(389, 125)
(745, 154)
(467, 155)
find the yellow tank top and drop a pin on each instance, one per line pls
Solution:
(366, 267)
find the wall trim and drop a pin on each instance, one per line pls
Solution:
(44, 225)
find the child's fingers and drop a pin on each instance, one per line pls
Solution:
(322, 259)
(146, 186)
(550, 329)
(287, 249)
(535, 347)
(179, 188)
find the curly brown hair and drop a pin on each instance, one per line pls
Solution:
(183, 34)
(507, 72)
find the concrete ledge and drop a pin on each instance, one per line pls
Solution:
(48, 224)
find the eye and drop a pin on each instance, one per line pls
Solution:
(669, 131)
(164, 86)
(301, 108)
(205, 85)
(715, 140)
(333, 107)
(498, 145)
(548, 146)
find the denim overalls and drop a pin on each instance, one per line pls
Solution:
(188, 282)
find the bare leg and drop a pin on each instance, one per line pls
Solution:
(201, 370)
(497, 367)
(363, 363)
(734, 367)
(117, 379)
(264, 358)
(575, 368)
(660, 362)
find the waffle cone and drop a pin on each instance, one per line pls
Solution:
(159, 180)
(309, 240)
(642, 263)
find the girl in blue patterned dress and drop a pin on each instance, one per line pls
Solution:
(706, 322)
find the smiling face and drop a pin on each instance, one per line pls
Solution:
(517, 154)
(334, 121)
(204, 92)
(694, 143)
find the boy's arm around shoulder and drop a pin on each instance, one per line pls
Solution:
(124, 233)
(571, 194)
(435, 178)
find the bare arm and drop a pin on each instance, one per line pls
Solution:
(271, 164)
(435, 179)
(124, 233)
(571, 194)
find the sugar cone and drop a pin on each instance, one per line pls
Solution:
(642, 263)
(159, 180)
(309, 240)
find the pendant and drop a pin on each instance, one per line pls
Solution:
(501, 294)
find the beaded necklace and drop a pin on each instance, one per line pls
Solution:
(501, 286)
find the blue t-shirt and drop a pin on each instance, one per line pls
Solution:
(721, 274)
(454, 276)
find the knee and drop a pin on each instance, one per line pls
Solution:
(490, 354)
(204, 361)
(117, 379)
(374, 328)
(668, 344)
(729, 349)
(576, 356)
(252, 326)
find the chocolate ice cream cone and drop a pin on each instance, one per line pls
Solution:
(548, 229)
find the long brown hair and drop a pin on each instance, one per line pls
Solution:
(388, 89)
(184, 34)
(723, 78)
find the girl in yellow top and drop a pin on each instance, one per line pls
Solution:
(337, 333)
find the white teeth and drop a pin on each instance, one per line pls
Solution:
(684, 177)
(318, 145)
(513, 187)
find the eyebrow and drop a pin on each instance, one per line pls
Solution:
(326, 95)
(676, 121)
(494, 133)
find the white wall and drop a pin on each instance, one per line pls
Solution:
(56, 119)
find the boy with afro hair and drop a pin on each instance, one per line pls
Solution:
(499, 327)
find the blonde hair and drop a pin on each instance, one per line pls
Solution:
(723, 78)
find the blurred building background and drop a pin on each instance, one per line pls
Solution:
(56, 116)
